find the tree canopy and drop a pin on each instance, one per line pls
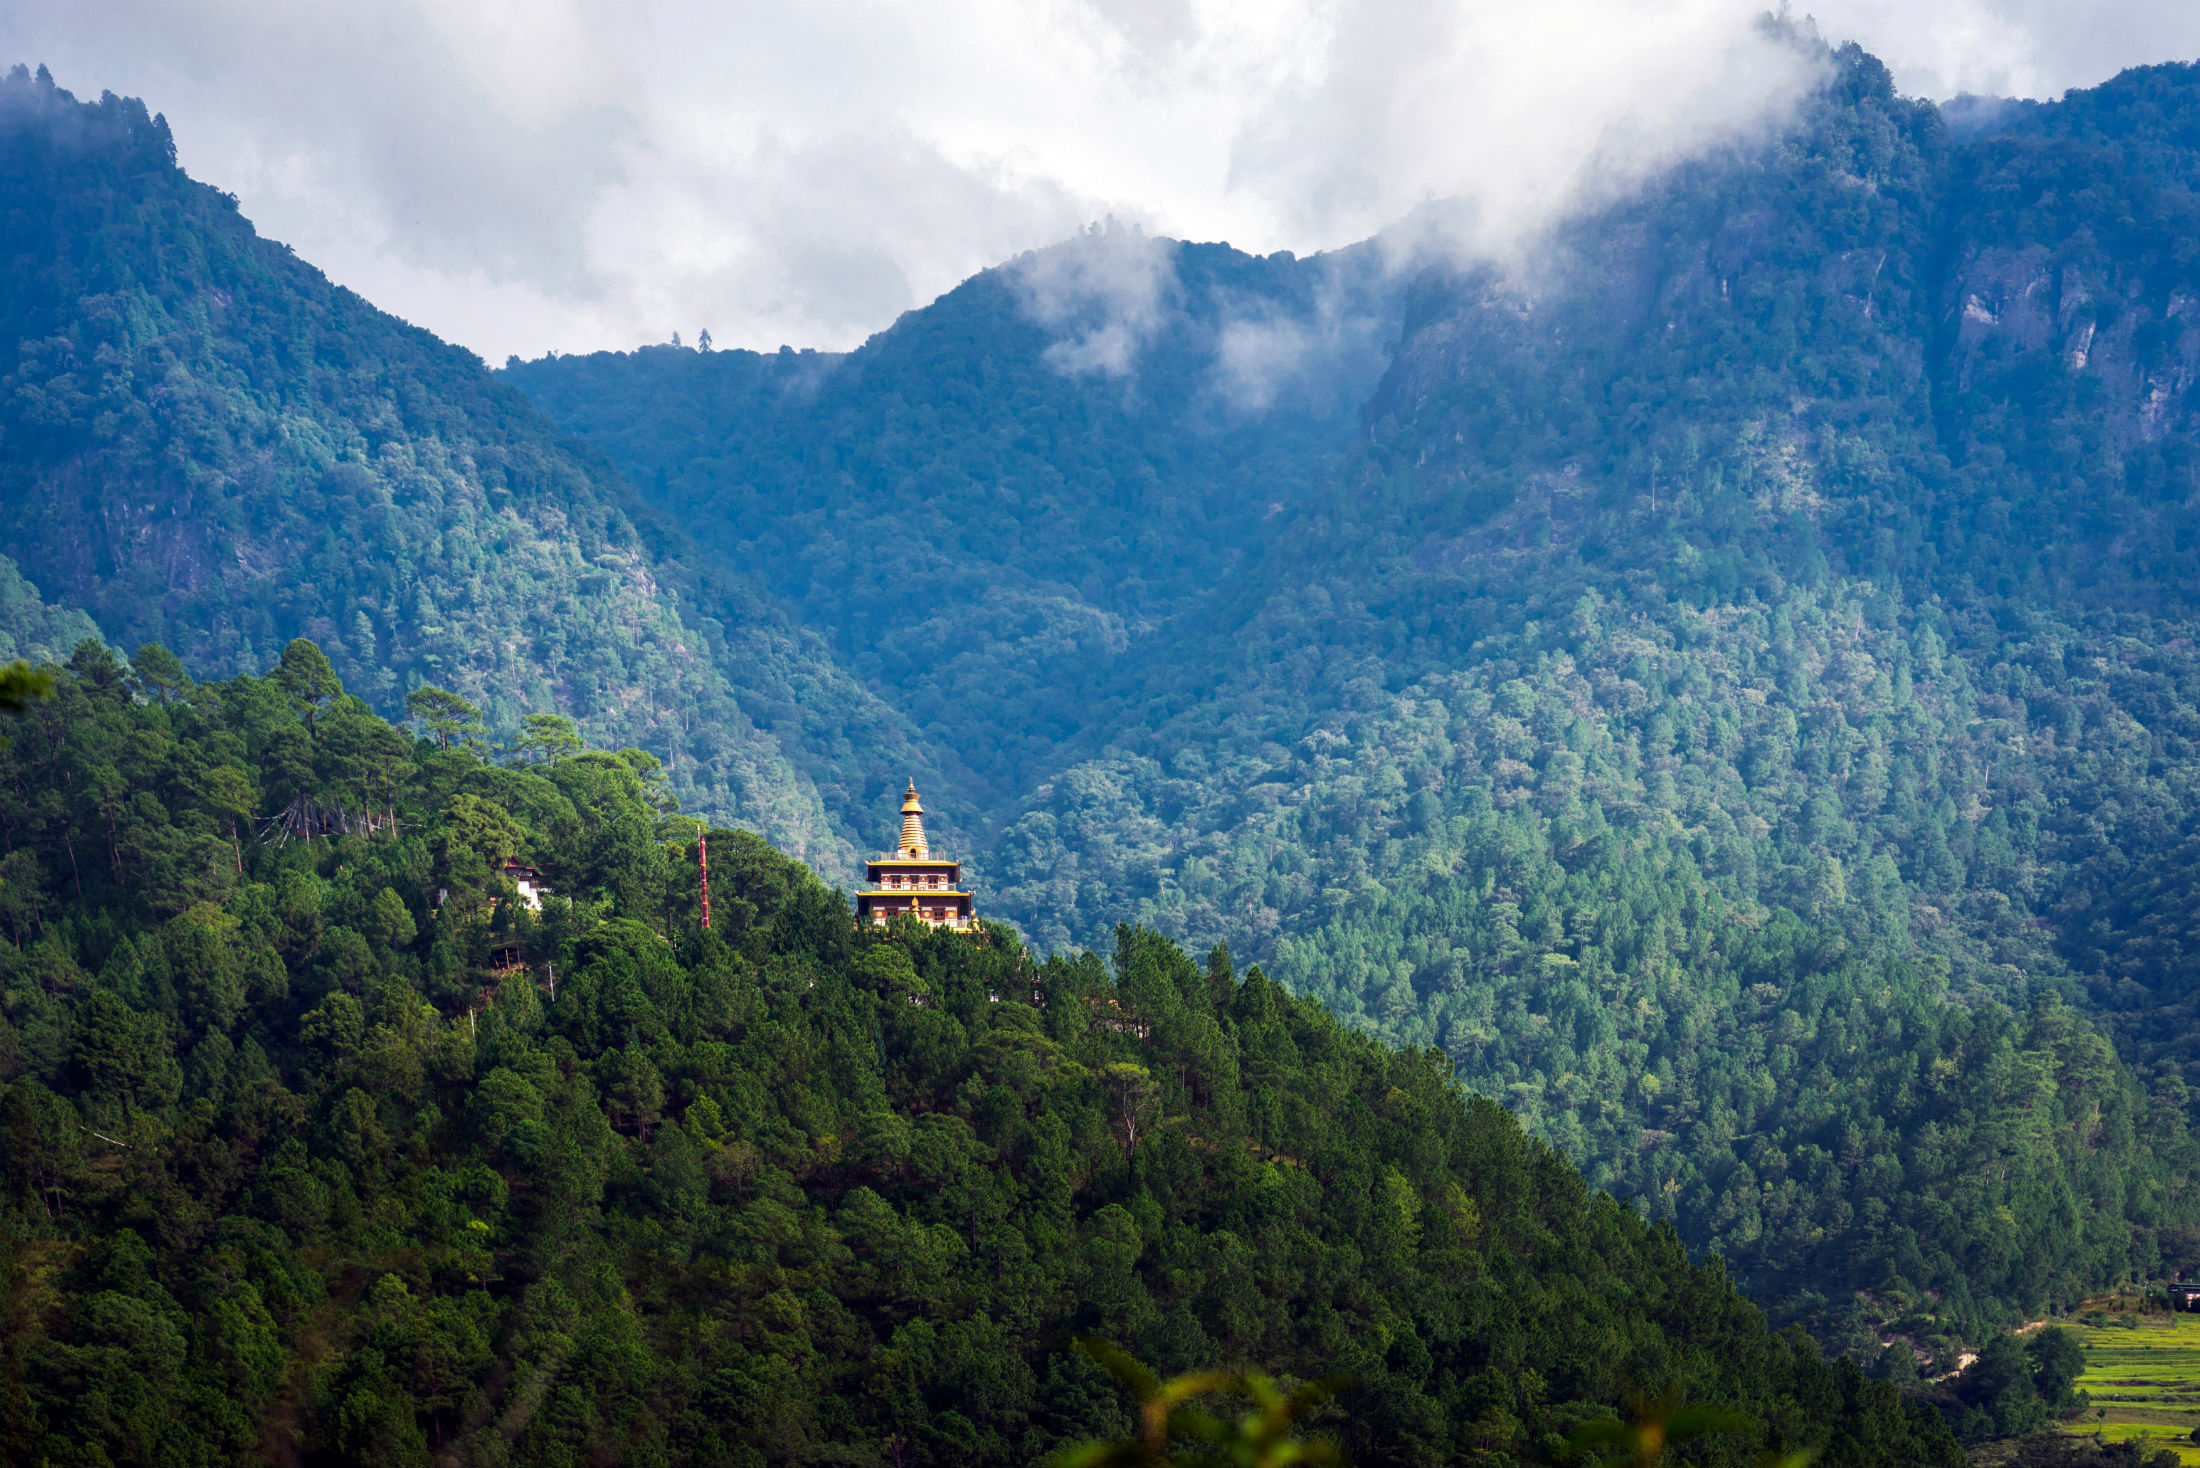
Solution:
(321, 1144)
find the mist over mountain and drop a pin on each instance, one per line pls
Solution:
(1004, 508)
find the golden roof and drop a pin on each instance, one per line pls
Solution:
(912, 826)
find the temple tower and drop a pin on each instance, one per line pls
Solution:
(911, 881)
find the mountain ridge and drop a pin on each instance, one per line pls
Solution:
(192, 413)
(1128, 474)
(1641, 703)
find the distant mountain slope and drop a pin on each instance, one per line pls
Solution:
(1737, 566)
(999, 509)
(1732, 487)
(206, 443)
(2070, 349)
(1899, 434)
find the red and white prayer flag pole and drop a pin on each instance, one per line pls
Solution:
(702, 852)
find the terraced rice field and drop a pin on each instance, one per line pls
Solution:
(2144, 1379)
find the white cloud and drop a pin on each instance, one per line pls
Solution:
(531, 174)
(1263, 355)
(1256, 356)
(1518, 106)
(1103, 294)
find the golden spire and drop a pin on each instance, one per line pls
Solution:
(912, 825)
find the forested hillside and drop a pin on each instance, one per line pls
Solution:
(203, 441)
(1729, 687)
(328, 1148)
(1004, 509)
(1735, 693)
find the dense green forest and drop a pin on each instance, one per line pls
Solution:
(327, 1148)
(1731, 692)
(996, 534)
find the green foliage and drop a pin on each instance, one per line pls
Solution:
(996, 537)
(443, 714)
(546, 739)
(2058, 1360)
(33, 630)
(2015, 1388)
(1173, 1429)
(319, 1144)
(2065, 1450)
(1734, 694)
(1650, 1429)
(22, 685)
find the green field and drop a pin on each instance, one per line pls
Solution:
(2143, 1377)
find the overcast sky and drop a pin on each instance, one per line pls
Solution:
(574, 174)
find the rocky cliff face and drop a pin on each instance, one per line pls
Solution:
(1739, 308)
(1911, 342)
(2069, 333)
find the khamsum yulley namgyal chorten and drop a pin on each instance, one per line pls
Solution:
(911, 880)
